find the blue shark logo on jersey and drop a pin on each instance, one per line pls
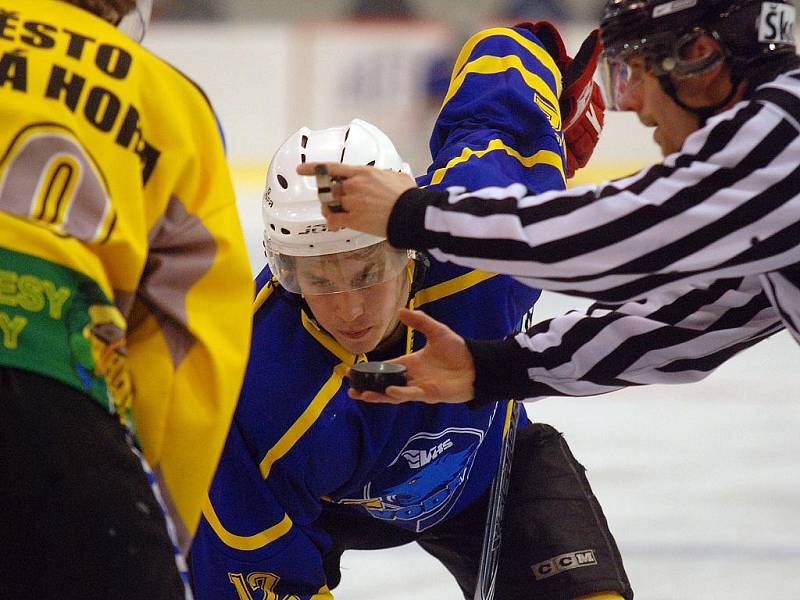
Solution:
(426, 478)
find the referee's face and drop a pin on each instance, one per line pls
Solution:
(655, 108)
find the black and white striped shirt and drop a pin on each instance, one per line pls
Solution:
(695, 258)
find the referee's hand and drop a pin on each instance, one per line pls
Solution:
(366, 194)
(442, 371)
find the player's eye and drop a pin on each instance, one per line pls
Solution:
(368, 276)
(321, 285)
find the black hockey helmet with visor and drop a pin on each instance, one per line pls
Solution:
(661, 32)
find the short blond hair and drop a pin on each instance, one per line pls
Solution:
(110, 10)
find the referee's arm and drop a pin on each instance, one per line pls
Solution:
(727, 206)
(677, 336)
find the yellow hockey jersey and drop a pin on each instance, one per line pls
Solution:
(123, 270)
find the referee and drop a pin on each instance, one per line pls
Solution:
(692, 260)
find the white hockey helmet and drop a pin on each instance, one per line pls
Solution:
(293, 223)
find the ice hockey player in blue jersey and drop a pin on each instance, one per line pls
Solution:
(308, 473)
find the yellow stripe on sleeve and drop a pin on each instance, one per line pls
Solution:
(542, 157)
(450, 287)
(491, 65)
(303, 423)
(245, 542)
(540, 53)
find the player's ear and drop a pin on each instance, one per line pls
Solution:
(699, 47)
(706, 48)
(711, 80)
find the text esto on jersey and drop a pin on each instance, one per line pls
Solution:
(101, 107)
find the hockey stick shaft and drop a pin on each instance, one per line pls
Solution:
(490, 551)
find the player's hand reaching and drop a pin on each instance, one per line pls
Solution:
(581, 101)
(442, 371)
(366, 195)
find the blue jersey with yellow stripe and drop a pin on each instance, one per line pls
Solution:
(299, 441)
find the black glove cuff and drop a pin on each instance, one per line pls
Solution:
(500, 372)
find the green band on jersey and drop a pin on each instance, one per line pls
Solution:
(59, 323)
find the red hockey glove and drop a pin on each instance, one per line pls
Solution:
(581, 101)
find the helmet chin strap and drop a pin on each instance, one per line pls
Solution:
(703, 113)
(421, 265)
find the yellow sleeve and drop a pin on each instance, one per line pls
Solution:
(190, 326)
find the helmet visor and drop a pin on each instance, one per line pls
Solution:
(619, 81)
(339, 272)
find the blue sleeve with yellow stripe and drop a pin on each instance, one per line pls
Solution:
(500, 121)
(244, 550)
(253, 547)
(257, 534)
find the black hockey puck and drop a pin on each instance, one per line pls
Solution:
(376, 376)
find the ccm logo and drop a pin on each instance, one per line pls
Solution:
(564, 562)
